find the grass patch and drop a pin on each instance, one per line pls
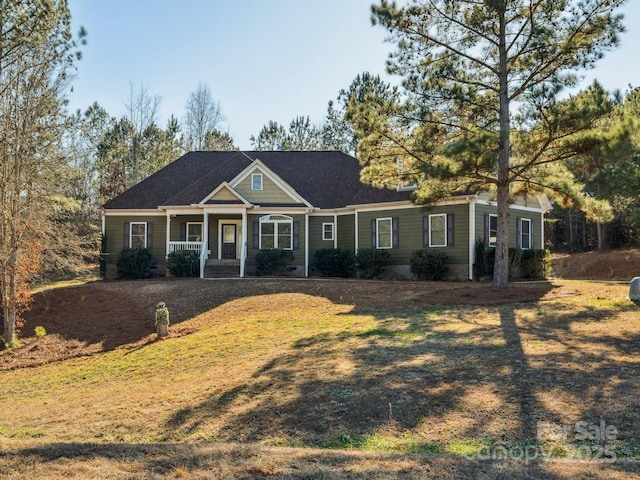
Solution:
(317, 372)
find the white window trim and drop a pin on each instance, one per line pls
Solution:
(331, 236)
(201, 230)
(492, 215)
(378, 221)
(530, 222)
(276, 223)
(131, 224)
(431, 244)
(256, 176)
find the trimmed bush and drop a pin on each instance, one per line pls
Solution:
(334, 262)
(135, 263)
(272, 261)
(183, 263)
(428, 264)
(535, 263)
(370, 262)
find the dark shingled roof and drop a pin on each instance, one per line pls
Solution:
(326, 179)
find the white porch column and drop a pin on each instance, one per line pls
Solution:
(168, 239)
(205, 238)
(243, 244)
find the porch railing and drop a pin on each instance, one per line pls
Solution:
(197, 247)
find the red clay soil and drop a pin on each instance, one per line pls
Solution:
(103, 316)
(598, 265)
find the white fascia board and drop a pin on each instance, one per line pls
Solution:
(258, 210)
(228, 187)
(511, 207)
(183, 210)
(406, 204)
(124, 213)
(274, 177)
(222, 209)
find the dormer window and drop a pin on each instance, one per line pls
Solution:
(256, 181)
(406, 182)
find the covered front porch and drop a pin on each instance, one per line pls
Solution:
(217, 235)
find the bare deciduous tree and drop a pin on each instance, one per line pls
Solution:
(203, 116)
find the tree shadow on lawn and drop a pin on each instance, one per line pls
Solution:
(116, 460)
(105, 315)
(430, 385)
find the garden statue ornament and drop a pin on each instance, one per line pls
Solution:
(162, 319)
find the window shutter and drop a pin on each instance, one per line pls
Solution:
(256, 235)
(296, 235)
(519, 232)
(395, 236)
(183, 231)
(425, 230)
(487, 224)
(125, 239)
(449, 229)
(150, 235)
(374, 243)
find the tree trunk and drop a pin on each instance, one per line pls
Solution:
(601, 237)
(501, 265)
(10, 291)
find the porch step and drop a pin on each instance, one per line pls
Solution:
(222, 269)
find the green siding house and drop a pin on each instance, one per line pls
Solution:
(228, 205)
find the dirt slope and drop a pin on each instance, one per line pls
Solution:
(597, 265)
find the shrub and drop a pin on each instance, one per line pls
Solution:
(535, 263)
(183, 263)
(370, 262)
(335, 262)
(40, 331)
(272, 261)
(429, 264)
(135, 263)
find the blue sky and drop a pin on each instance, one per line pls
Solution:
(263, 60)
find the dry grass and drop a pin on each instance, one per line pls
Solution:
(414, 388)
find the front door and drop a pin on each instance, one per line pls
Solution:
(229, 240)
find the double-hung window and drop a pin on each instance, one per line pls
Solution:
(138, 235)
(384, 227)
(194, 231)
(492, 230)
(327, 231)
(438, 230)
(276, 231)
(525, 233)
